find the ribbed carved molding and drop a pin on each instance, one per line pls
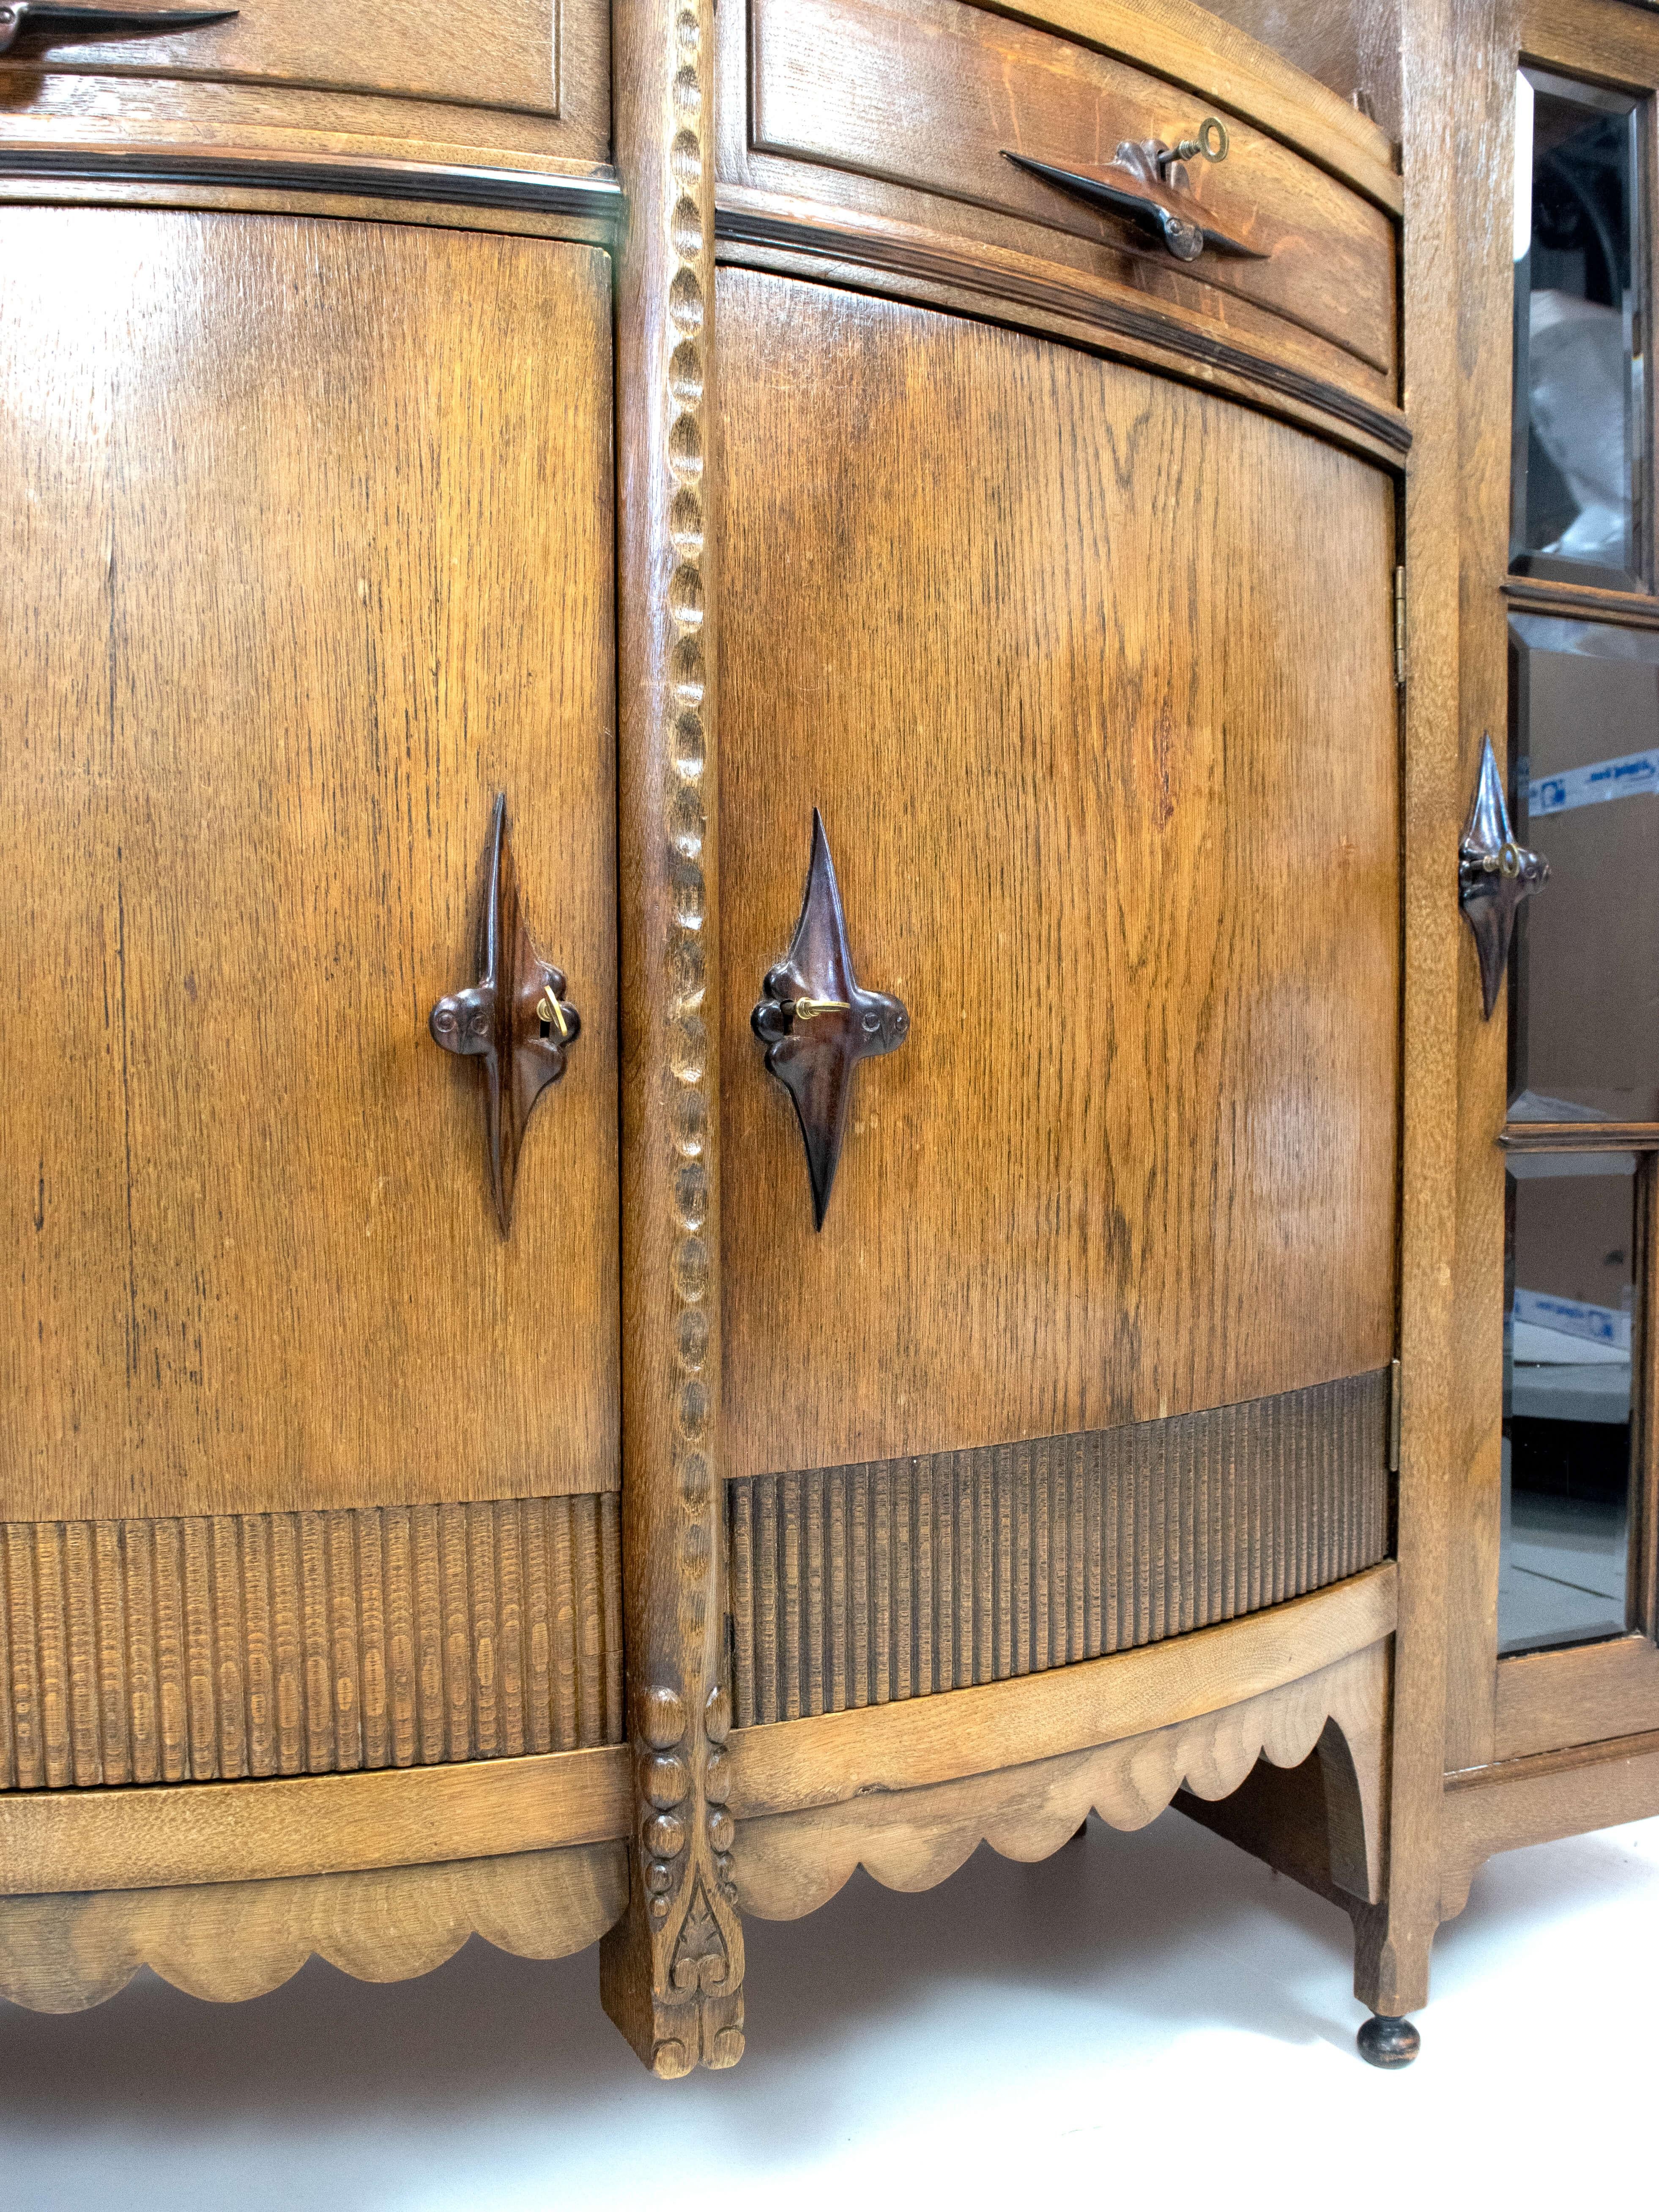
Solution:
(213, 1647)
(853, 1586)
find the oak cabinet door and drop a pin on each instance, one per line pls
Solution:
(308, 542)
(1089, 674)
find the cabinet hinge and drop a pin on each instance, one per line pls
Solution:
(1399, 625)
(1394, 1417)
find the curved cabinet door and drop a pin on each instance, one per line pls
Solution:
(1089, 674)
(309, 549)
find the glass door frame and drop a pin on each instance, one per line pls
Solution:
(1514, 1707)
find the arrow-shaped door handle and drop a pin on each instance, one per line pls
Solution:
(41, 22)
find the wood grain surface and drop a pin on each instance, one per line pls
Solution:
(498, 75)
(53, 1841)
(1185, 46)
(928, 95)
(203, 1649)
(853, 1586)
(1585, 1693)
(315, 525)
(969, 275)
(1392, 1948)
(1105, 749)
(228, 1941)
(911, 1838)
(1227, 58)
(1483, 146)
(1533, 1801)
(496, 53)
(1545, 595)
(1351, 45)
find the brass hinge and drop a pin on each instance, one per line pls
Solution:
(1394, 1417)
(1399, 625)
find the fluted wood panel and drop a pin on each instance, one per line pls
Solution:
(854, 1585)
(230, 1645)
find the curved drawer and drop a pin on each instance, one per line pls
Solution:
(529, 76)
(906, 110)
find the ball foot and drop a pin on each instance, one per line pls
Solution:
(1385, 2041)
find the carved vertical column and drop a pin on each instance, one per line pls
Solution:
(672, 1970)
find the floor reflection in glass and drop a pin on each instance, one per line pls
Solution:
(1563, 1579)
(1567, 1400)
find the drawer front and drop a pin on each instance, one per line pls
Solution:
(929, 96)
(496, 53)
(516, 75)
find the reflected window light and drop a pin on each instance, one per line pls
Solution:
(1583, 1028)
(1523, 100)
(1569, 1322)
(1578, 395)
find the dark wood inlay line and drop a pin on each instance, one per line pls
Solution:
(529, 191)
(934, 263)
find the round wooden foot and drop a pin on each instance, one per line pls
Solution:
(1384, 2041)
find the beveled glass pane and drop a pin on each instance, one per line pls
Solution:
(1578, 386)
(1567, 1329)
(1584, 1005)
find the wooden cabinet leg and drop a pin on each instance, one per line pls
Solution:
(1391, 1962)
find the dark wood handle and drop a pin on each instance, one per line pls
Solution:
(514, 1021)
(1149, 182)
(818, 1023)
(1495, 877)
(39, 22)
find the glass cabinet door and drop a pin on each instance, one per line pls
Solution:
(1581, 1129)
(1579, 1126)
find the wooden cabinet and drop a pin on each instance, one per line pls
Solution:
(919, 688)
(1040, 581)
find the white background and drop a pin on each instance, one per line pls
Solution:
(1142, 2019)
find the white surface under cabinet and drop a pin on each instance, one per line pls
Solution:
(1148, 2018)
